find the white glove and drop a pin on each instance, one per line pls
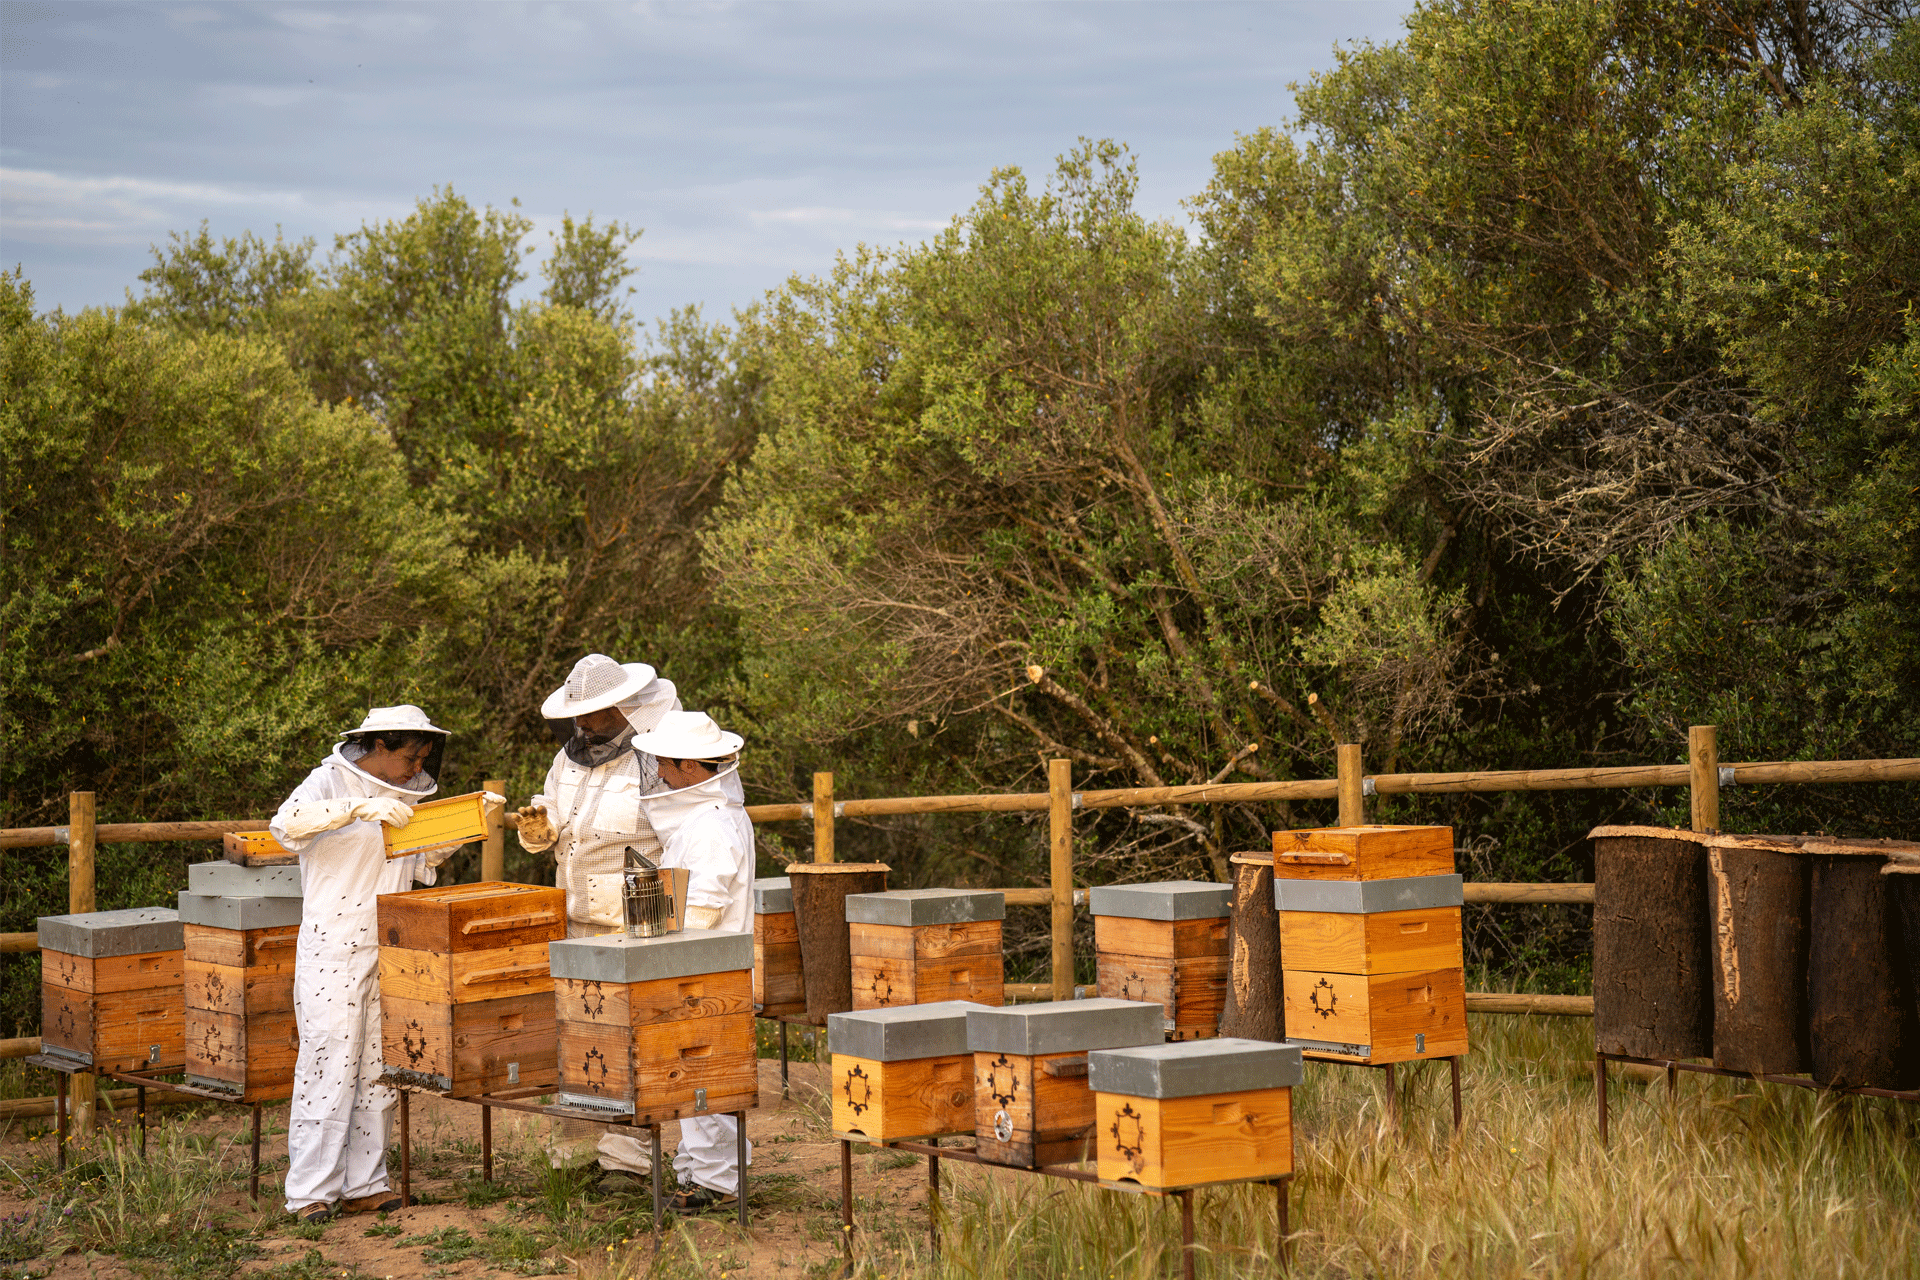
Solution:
(490, 801)
(437, 856)
(395, 813)
(703, 917)
(311, 817)
(536, 832)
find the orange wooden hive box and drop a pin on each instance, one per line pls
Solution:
(1166, 942)
(466, 1001)
(923, 946)
(779, 985)
(240, 1032)
(110, 988)
(1031, 1104)
(656, 1029)
(1169, 1117)
(901, 1073)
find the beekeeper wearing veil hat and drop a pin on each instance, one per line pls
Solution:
(337, 1128)
(588, 813)
(703, 829)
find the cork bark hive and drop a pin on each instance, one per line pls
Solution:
(1166, 943)
(110, 988)
(1031, 1104)
(1652, 994)
(656, 1028)
(1173, 1116)
(779, 984)
(923, 946)
(466, 1000)
(902, 1073)
(1370, 936)
(241, 927)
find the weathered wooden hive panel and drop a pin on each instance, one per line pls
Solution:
(110, 988)
(656, 1028)
(924, 946)
(1166, 943)
(902, 1072)
(466, 1000)
(1031, 1104)
(779, 984)
(240, 1033)
(1172, 1116)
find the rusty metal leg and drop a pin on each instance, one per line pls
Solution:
(740, 1157)
(1600, 1088)
(846, 1207)
(1453, 1065)
(406, 1152)
(253, 1180)
(933, 1204)
(1673, 1080)
(1186, 1235)
(140, 1106)
(1284, 1245)
(653, 1158)
(60, 1121)
(783, 1057)
(1393, 1099)
(486, 1144)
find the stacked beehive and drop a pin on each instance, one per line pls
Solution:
(1166, 943)
(656, 1028)
(902, 1073)
(110, 985)
(1173, 1116)
(779, 987)
(241, 926)
(923, 946)
(1370, 942)
(1031, 1104)
(466, 1001)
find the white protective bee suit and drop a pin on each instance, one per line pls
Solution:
(705, 830)
(338, 1125)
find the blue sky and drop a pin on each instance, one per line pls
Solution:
(751, 141)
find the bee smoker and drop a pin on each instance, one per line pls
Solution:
(645, 898)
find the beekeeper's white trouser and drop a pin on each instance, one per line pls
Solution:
(706, 1157)
(340, 1119)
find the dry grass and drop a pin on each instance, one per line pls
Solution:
(1729, 1180)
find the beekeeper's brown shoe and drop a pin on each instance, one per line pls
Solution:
(378, 1202)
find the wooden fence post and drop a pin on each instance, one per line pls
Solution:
(1353, 804)
(1703, 776)
(493, 851)
(823, 817)
(80, 899)
(1060, 828)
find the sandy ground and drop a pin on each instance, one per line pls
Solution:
(794, 1199)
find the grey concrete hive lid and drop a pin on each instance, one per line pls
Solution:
(131, 931)
(1163, 900)
(926, 906)
(1194, 1068)
(230, 880)
(937, 1030)
(1064, 1026)
(221, 911)
(773, 896)
(618, 958)
(1363, 897)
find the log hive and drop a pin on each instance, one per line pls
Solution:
(1167, 943)
(1255, 1009)
(1652, 962)
(820, 892)
(925, 946)
(1757, 894)
(1860, 1009)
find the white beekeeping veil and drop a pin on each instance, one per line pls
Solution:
(651, 703)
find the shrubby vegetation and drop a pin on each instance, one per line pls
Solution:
(1547, 384)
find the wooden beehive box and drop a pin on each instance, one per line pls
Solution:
(1362, 853)
(923, 946)
(255, 849)
(1166, 943)
(1031, 1104)
(779, 987)
(110, 985)
(901, 1073)
(466, 1001)
(656, 1028)
(1173, 1116)
(1370, 926)
(240, 1033)
(1376, 1018)
(439, 824)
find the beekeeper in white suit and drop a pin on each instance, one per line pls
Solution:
(588, 813)
(338, 1126)
(705, 830)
